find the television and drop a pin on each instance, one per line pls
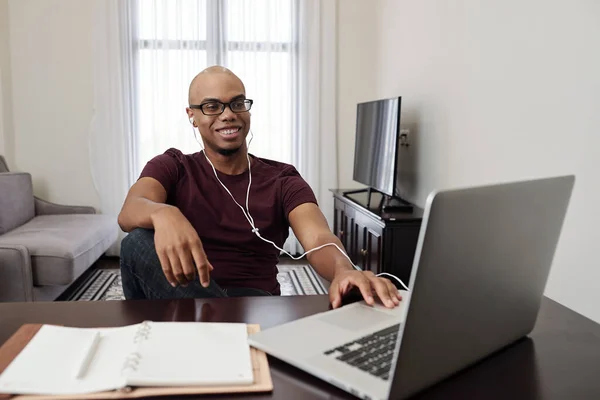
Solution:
(376, 150)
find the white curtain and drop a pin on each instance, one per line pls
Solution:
(176, 39)
(314, 150)
(283, 50)
(112, 129)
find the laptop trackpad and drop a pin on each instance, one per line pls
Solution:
(356, 318)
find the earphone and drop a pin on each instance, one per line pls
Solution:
(256, 231)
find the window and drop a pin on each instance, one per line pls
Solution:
(176, 39)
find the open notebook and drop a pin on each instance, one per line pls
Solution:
(63, 360)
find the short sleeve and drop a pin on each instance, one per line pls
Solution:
(165, 168)
(295, 190)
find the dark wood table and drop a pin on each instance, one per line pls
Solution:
(559, 360)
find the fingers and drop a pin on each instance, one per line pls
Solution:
(394, 293)
(364, 285)
(335, 297)
(386, 291)
(187, 264)
(166, 267)
(180, 251)
(368, 284)
(382, 290)
(202, 265)
(341, 287)
(176, 267)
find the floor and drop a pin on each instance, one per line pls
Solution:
(284, 264)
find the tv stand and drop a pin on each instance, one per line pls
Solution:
(376, 238)
(387, 204)
(395, 204)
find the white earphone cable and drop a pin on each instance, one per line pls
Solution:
(396, 278)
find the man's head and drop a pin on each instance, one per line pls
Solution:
(224, 133)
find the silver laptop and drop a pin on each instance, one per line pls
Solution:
(479, 273)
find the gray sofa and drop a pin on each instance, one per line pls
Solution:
(44, 247)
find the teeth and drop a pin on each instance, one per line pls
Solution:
(229, 131)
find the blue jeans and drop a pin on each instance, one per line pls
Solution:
(143, 277)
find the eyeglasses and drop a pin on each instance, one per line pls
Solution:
(217, 108)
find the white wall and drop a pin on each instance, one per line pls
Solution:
(50, 56)
(356, 53)
(6, 125)
(495, 91)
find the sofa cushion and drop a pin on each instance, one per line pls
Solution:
(62, 247)
(16, 200)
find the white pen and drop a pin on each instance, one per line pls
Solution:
(88, 355)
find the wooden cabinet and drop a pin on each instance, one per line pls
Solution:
(374, 240)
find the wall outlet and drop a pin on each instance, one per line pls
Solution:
(404, 137)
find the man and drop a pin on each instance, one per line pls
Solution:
(183, 221)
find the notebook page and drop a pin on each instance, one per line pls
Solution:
(193, 354)
(50, 361)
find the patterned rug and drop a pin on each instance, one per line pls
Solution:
(105, 284)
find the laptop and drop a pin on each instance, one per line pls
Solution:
(480, 268)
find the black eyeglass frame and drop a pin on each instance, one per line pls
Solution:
(247, 102)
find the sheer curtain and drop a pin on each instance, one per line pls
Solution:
(283, 50)
(176, 39)
(314, 139)
(112, 128)
(315, 145)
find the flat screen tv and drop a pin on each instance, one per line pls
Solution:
(376, 148)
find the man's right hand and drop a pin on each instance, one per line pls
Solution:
(179, 247)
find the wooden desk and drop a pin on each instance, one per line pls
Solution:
(559, 360)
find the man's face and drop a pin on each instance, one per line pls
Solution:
(225, 133)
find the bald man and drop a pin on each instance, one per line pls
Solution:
(189, 234)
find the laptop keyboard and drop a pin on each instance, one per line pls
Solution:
(372, 353)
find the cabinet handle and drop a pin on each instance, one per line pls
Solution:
(363, 252)
(341, 233)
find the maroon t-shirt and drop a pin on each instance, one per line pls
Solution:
(239, 258)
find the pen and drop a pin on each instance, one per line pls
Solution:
(89, 354)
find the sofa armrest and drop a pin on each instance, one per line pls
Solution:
(16, 280)
(43, 207)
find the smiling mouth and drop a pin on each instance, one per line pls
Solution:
(228, 131)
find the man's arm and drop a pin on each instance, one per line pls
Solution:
(177, 243)
(311, 229)
(144, 199)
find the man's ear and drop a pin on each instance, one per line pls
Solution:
(189, 112)
(190, 115)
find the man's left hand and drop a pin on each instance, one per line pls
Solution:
(367, 283)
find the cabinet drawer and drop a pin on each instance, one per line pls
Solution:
(368, 222)
(371, 250)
